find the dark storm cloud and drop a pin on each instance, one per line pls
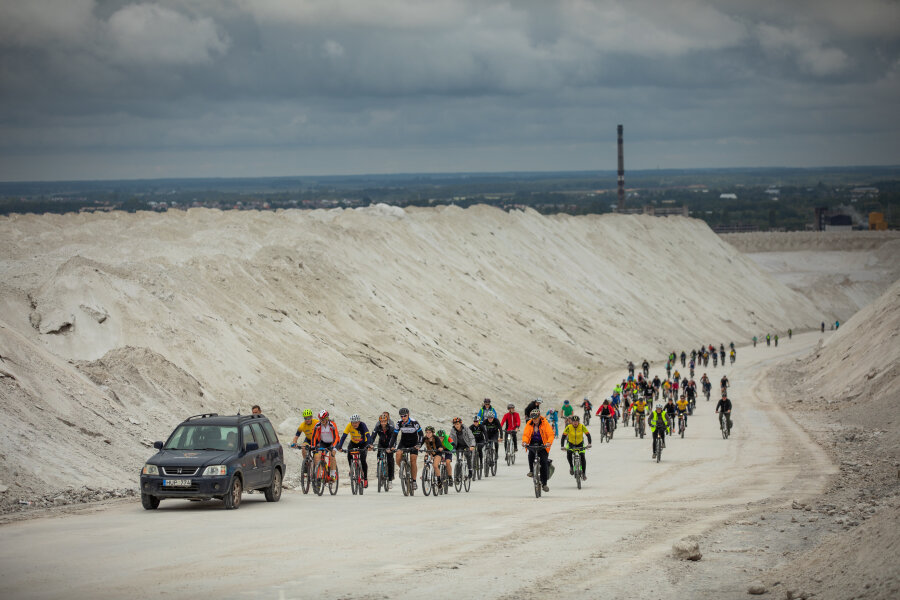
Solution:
(289, 85)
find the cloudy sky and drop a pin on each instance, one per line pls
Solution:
(96, 89)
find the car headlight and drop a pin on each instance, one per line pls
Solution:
(150, 470)
(215, 470)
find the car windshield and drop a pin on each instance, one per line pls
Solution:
(203, 437)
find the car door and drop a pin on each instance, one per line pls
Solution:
(264, 460)
(250, 459)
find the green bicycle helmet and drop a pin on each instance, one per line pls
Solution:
(307, 413)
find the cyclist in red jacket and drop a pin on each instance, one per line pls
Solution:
(510, 423)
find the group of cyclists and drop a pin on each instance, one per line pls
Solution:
(633, 400)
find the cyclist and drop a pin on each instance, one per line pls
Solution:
(492, 432)
(538, 432)
(645, 366)
(575, 433)
(656, 385)
(325, 438)
(776, 340)
(305, 429)
(715, 358)
(630, 369)
(586, 405)
(511, 422)
(671, 410)
(359, 440)
(724, 384)
(681, 409)
(666, 388)
(408, 437)
(438, 448)
(477, 430)
(823, 326)
(384, 436)
(732, 355)
(668, 369)
(639, 408)
(485, 409)
(754, 341)
(567, 409)
(553, 416)
(659, 426)
(790, 334)
(683, 358)
(768, 340)
(607, 414)
(690, 392)
(462, 438)
(723, 409)
(536, 403)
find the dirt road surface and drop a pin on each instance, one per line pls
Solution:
(498, 541)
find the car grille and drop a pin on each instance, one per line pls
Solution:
(181, 471)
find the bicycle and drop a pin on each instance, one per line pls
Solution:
(706, 390)
(723, 425)
(406, 480)
(639, 426)
(382, 469)
(657, 447)
(443, 479)
(357, 483)
(460, 480)
(509, 445)
(536, 468)
(681, 425)
(587, 417)
(606, 429)
(577, 469)
(490, 458)
(306, 468)
(323, 474)
(429, 479)
(479, 459)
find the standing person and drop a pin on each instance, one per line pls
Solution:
(567, 409)
(409, 436)
(359, 440)
(511, 422)
(553, 415)
(659, 426)
(837, 324)
(575, 433)
(538, 432)
(383, 437)
(723, 409)
(534, 404)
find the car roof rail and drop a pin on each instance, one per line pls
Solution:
(203, 416)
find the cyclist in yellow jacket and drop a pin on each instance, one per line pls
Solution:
(659, 425)
(574, 433)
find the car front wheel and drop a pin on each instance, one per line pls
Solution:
(273, 492)
(149, 502)
(233, 498)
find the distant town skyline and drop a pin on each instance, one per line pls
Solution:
(259, 88)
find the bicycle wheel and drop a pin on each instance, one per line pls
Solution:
(361, 484)
(319, 479)
(536, 475)
(380, 474)
(479, 464)
(305, 475)
(458, 474)
(354, 478)
(445, 480)
(404, 477)
(493, 461)
(658, 450)
(467, 480)
(576, 467)
(426, 480)
(333, 482)
(507, 448)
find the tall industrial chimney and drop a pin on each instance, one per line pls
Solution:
(621, 202)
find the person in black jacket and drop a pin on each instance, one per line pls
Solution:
(536, 403)
(723, 409)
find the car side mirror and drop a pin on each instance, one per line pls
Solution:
(158, 445)
(251, 446)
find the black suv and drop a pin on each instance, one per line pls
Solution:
(209, 456)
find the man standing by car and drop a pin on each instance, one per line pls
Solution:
(256, 410)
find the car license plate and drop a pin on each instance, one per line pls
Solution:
(177, 482)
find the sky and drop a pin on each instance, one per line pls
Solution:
(115, 89)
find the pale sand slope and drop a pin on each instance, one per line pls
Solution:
(839, 272)
(114, 327)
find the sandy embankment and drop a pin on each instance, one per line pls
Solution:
(116, 326)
